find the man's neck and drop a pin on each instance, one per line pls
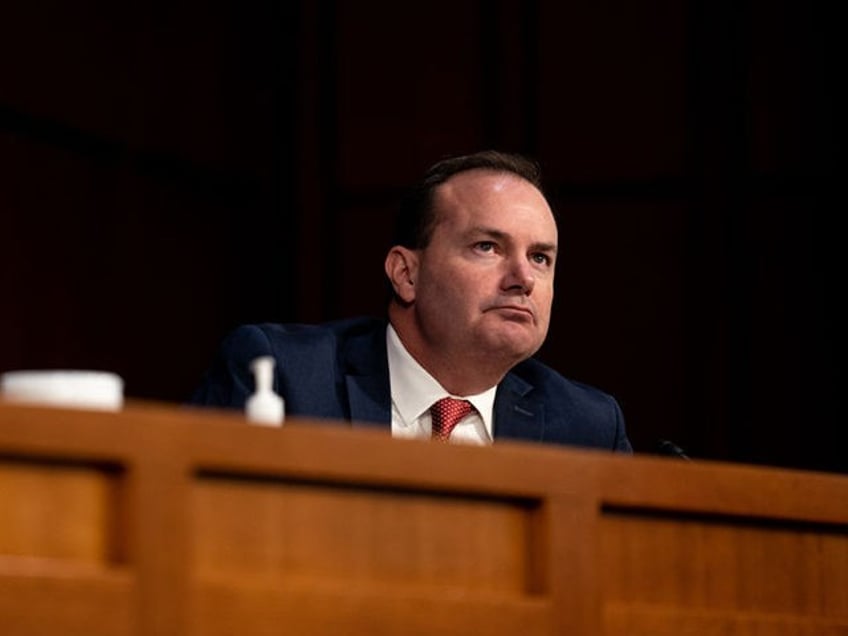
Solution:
(459, 375)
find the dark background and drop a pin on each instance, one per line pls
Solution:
(170, 169)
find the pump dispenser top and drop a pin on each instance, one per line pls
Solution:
(264, 407)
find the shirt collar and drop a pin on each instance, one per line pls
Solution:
(414, 390)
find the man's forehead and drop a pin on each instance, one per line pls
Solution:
(484, 190)
(480, 179)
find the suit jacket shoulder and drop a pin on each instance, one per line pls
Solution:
(315, 367)
(537, 403)
(339, 371)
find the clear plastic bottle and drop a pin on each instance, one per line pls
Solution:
(264, 407)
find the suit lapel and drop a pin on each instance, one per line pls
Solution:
(516, 416)
(366, 369)
(370, 400)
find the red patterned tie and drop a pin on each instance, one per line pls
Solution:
(446, 413)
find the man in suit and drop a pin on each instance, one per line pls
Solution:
(471, 274)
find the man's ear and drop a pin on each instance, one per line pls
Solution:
(402, 269)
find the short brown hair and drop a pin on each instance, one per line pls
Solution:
(416, 217)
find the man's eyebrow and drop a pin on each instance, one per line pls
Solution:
(488, 231)
(498, 234)
(545, 247)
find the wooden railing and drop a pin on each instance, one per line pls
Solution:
(162, 520)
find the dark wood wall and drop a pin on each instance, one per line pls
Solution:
(172, 169)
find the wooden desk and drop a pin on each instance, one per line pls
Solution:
(163, 520)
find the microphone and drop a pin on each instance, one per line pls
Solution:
(666, 447)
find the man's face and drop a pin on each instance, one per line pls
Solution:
(484, 284)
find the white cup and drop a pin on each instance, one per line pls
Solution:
(98, 390)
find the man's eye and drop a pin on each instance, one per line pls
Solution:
(542, 259)
(485, 246)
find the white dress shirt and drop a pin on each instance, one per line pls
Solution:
(414, 391)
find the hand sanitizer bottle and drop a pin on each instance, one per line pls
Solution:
(264, 407)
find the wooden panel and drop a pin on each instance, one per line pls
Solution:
(733, 565)
(638, 272)
(43, 597)
(62, 549)
(271, 533)
(401, 102)
(630, 620)
(59, 511)
(736, 490)
(360, 290)
(361, 609)
(612, 90)
(327, 530)
(324, 558)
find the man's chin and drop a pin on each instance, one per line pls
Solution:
(514, 346)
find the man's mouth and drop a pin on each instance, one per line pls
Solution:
(517, 310)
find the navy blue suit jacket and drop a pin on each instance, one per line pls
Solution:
(340, 370)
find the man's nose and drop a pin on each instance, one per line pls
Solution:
(520, 275)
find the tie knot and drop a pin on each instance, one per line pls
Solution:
(446, 413)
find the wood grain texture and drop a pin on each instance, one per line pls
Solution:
(168, 521)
